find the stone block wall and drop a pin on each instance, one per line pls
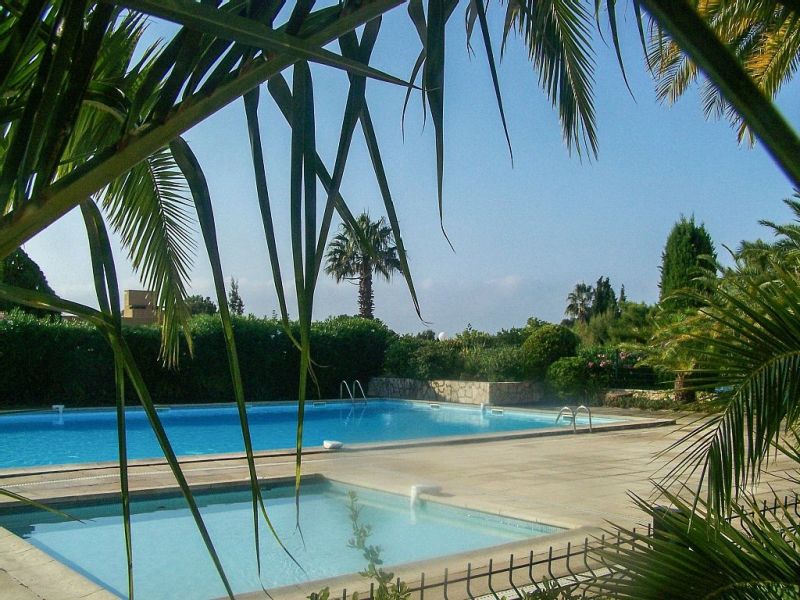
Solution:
(464, 392)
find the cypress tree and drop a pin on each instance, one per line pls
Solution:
(605, 299)
(683, 259)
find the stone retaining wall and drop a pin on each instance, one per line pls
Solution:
(464, 392)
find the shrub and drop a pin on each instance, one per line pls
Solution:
(568, 377)
(545, 346)
(437, 360)
(400, 356)
(503, 363)
(641, 401)
(69, 363)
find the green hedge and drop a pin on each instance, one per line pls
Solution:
(57, 362)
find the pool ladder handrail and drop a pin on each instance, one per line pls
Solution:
(357, 383)
(351, 390)
(573, 412)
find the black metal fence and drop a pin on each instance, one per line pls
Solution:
(569, 571)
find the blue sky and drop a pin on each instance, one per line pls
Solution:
(524, 236)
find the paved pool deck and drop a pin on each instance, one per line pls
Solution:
(580, 482)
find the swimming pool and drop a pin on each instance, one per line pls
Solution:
(171, 562)
(80, 436)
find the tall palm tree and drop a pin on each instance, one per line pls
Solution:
(357, 252)
(579, 302)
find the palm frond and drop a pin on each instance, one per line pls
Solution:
(751, 557)
(558, 36)
(148, 208)
(746, 346)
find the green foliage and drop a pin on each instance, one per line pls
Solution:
(360, 250)
(200, 305)
(235, 303)
(579, 302)
(747, 558)
(632, 324)
(473, 357)
(545, 346)
(642, 401)
(344, 348)
(568, 378)
(19, 270)
(437, 360)
(501, 363)
(386, 589)
(688, 251)
(605, 300)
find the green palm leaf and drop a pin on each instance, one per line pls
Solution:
(753, 557)
(746, 344)
(557, 33)
(149, 209)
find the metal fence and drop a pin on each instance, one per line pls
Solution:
(568, 571)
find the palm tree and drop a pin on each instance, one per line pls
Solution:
(579, 302)
(357, 252)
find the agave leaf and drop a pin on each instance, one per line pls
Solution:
(383, 184)
(355, 102)
(487, 43)
(240, 29)
(433, 84)
(611, 8)
(262, 191)
(108, 297)
(194, 175)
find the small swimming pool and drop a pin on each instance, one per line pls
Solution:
(170, 560)
(80, 436)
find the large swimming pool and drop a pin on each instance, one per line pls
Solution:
(170, 560)
(80, 436)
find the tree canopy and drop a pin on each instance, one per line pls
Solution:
(18, 269)
(688, 252)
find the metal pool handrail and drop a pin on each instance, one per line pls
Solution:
(588, 411)
(357, 383)
(572, 414)
(347, 387)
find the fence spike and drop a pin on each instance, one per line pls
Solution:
(422, 586)
(444, 591)
(550, 563)
(511, 575)
(491, 588)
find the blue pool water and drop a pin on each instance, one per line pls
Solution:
(170, 561)
(44, 438)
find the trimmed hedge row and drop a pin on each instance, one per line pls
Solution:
(58, 362)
